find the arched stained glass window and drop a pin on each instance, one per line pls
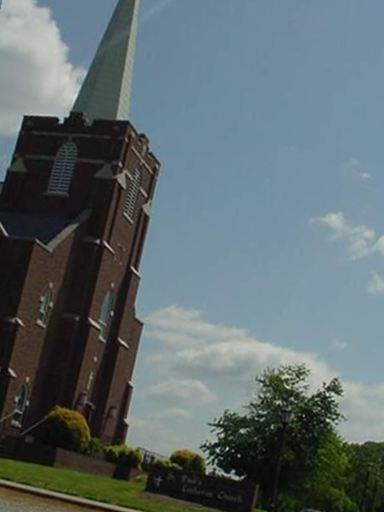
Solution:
(106, 313)
(132, 194)
(62, 172)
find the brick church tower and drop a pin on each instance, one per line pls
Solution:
(74, 213)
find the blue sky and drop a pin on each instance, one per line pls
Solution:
(265, 245)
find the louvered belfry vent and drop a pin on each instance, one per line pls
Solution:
(62, 172)
(132, 194)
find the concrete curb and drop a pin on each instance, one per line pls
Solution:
(65, 498)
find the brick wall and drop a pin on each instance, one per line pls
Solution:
(66, 360)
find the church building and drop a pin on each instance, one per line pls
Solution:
(74, 214)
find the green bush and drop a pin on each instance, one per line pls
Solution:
(66, 429)
(188, 461)
(113, 452)
(165, 464)
(132, 457)
(94, 447)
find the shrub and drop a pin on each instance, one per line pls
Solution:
(188, 461)
(114, 453)
(165, 464)
(66, 429)
(94, 447)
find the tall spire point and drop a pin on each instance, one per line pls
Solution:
(106, 91)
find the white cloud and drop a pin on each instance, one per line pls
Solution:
(338, 344)
(175, 413)
(161, 433)
(216, 368)
(361, 241)
(175, 326)
(184, 390)
(217, 351)
(36, 75)
(376, 284)
(363, 406)
(335, 221)
(354, 166)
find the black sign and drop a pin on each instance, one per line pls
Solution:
(209, 491)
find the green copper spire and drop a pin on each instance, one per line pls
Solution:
(106, 91)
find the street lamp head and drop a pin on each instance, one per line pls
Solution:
(286, 415)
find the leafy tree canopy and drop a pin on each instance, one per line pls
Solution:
(366, 478)
(246, 444)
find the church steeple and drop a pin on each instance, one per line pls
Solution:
(106, 91)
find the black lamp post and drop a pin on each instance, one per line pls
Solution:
(286, 416)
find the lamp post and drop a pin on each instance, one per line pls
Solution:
(286, 415)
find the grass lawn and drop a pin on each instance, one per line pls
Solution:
(107, 490)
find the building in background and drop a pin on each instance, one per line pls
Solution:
(74, 213)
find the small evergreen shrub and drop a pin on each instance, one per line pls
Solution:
(188, 461)
(66, 429)
(115, 453)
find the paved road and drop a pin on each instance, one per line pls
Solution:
(23, 498)
(11, 501)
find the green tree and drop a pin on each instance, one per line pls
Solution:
(366, 482)
(246, 444)
(327, 485)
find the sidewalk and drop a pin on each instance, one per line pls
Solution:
(66, 498)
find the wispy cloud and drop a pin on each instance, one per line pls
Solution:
(355, 167)
(338, 344)
(184, 390)
(156, 9)
(376, 284)
(361, 240)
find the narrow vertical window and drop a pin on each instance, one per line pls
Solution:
(106, 314)
(21, 404)
(62, 172)
(132, 194)
(46, 305)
